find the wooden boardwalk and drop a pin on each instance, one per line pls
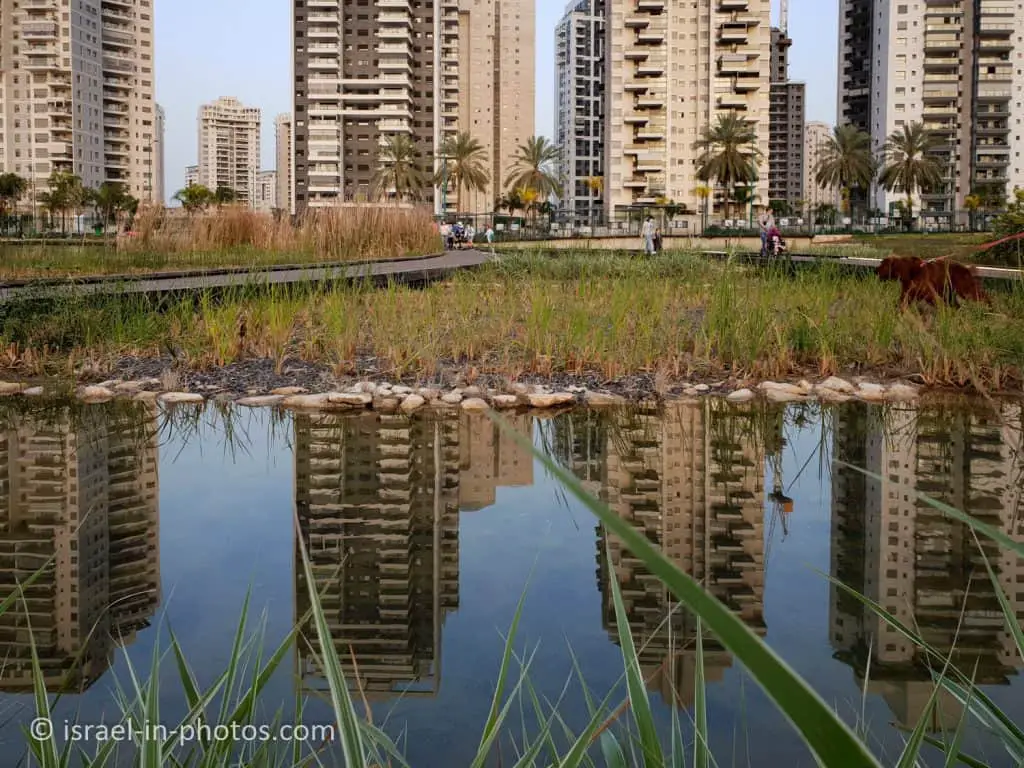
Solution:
(412, 270)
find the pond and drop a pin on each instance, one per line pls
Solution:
(423, 535)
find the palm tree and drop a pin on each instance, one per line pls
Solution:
(400, 172)
(729, 154)
(194, 198)
(846, 161)
(65, 193)
(224, 196)
(108, 200)
(910, 164)
(464, 165)
(533, 168)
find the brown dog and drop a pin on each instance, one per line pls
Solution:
(932, 281)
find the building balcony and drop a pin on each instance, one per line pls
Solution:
(732, 32)
(637, 22)
(651, 6)
(635, 54)
(650, 37)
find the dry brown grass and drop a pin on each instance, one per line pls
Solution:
(344, 233)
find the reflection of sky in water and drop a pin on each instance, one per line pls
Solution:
(227, 524)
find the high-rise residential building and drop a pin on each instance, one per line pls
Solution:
(672, 69)
(816, 140)
(490, 458)
(158, 194)
(191, 175)
(918, 564)
(579, 108)
(79, 499)
(376, 500)
(284, 163)
(76, 91)
(229, 147)
(785, 127)
(695, 488)
(265, 200)
(496, 86)
(949, 66)
(363, 73)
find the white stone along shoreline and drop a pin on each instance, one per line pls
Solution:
(396, 398)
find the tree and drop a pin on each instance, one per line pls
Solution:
(729, 154)
(846, 161)
(825, 213)
(464, 165)
(781, 207)
(972, 203)
(910, 164)
(12, 187)
(224, 196)
(533, 168)
(110, 199)
(400, 173)
(1011, 222)
(65, 193)
(511, 201)
(194, 198)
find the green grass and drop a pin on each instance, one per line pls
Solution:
(620, 731)
(676, 316)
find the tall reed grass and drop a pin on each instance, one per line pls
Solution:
(234, 236)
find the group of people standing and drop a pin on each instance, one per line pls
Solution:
(458, 235)
(651, 234)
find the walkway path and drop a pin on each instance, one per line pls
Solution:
(412, 270)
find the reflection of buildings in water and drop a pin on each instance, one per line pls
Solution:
(490, 458)
(85, 495)
(921, 566)
(692, 480)
(377, 503)
(378, 498)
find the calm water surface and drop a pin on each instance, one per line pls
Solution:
(423, 535)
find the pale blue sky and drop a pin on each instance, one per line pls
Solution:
(211, 48)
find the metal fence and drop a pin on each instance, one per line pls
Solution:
(570, 224)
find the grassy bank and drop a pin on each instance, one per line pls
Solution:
(675, 316)
(232, 237)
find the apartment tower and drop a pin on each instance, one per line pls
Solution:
(816, 137)
(579, 108)
(672, 69)
(694, 486)
(284, 162)
(376, 499)
(949, 66)
(920, 565)
(76, 91)
(229, 147)
(496, 86)
(785, 127)
(191, 175)
(363, 72)
(79, 502)
(266, 192)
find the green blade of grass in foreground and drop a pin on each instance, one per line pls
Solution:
(351, 734)
(825, 734)
(638, 701)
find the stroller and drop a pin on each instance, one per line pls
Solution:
(776, 244)
(458, 235)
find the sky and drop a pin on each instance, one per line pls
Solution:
(211, 48)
